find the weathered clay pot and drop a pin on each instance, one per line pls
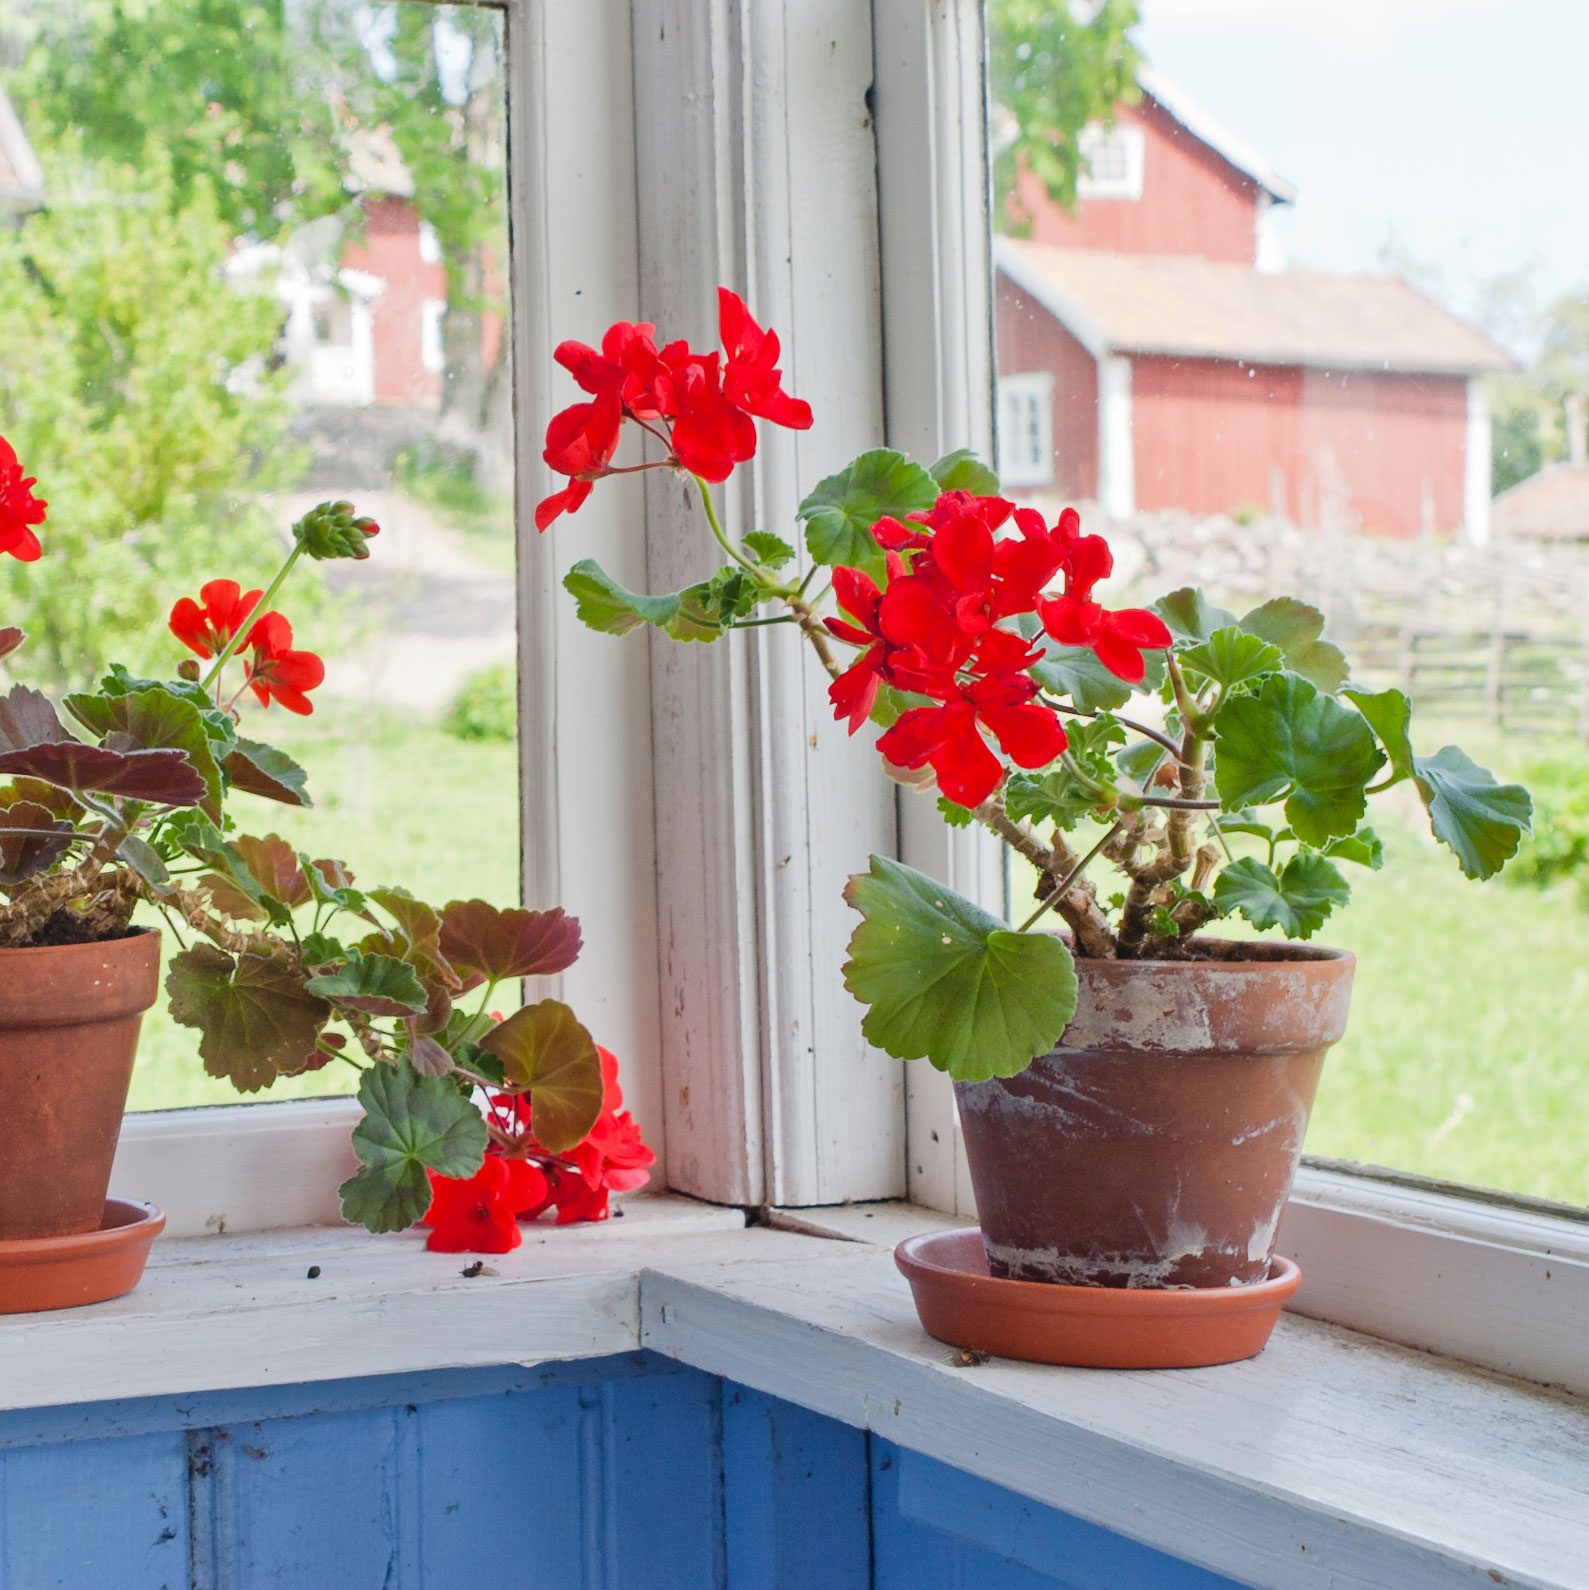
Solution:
(1156, 1146)
(69, 1020)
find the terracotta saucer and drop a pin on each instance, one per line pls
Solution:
(1095, 1327)
(64, 1272)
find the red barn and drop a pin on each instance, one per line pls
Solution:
(1147, 361)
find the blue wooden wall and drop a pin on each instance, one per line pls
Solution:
(620, 1474)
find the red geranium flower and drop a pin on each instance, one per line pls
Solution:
(276, 672)
(612, 1158)
(20, 510)
(949, 736)
(710, 434)
(854, 692)
(208, 629)
(1118, 639)
(753, 380)
(475, 1214)
(580, 443)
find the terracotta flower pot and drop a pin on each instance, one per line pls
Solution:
(1156, 1146)
(69, 1020)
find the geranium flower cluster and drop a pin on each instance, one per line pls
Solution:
(936, 629)
(482, 1213)
(20, 510)
(273, 669)
(701, 406)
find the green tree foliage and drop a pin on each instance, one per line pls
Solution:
(133, 381)
(262, 101)
(218, 88)
(1054, 68)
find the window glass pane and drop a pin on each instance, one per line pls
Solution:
(1312, 328)
(272, 276)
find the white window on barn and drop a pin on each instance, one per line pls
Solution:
(1114, 158)
(429, 244)
(431, 314)
(1026, 429)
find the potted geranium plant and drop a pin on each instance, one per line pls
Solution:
(1133, 1092)
(127, 793)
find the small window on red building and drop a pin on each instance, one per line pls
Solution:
(1026, 429)
(1114, 158)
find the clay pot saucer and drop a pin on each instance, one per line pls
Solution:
(1093, 1327)
(88, 1267)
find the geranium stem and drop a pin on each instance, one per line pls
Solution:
(717, 530)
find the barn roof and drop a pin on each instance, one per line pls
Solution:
(1552, 505)
(1231, 149)
(21, 178)
(1206, 309)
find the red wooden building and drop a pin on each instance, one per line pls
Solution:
(1149, 359)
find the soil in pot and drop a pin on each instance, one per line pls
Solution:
(1156, 1146)
(69, 1019)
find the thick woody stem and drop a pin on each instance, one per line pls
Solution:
(1079, 907)
(812, 628)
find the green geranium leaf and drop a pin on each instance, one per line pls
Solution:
(145, 860)
(1482, 821)
(1074, 674)
(603, 604)
(379, 985)
(412, 1124)
(944, 981)
(1297, 900)
(1231, 656)
(1295, 628)
(1056, 797)
(1245, 822)
(1139, 760)
(955, 816)
(714, 604)
(1389, 715)
(1289, 742)
(256, 1019)
(544, 1049)
(767, 549)
(258, 769)
(840, 513)
(321, 949)
(1191, 616)
(1364, 848)
(962, 470)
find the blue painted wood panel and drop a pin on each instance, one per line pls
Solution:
(938, 1527)
(629, 1473)
(798, 1496)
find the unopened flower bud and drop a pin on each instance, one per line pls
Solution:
(189, 669)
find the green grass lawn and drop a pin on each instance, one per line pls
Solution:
(401, 803)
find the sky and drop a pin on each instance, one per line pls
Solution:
(1450, 133)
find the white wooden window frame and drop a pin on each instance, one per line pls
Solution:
(662, 796)
(1025, 402)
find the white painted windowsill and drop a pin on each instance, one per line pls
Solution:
(1334, 1459)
